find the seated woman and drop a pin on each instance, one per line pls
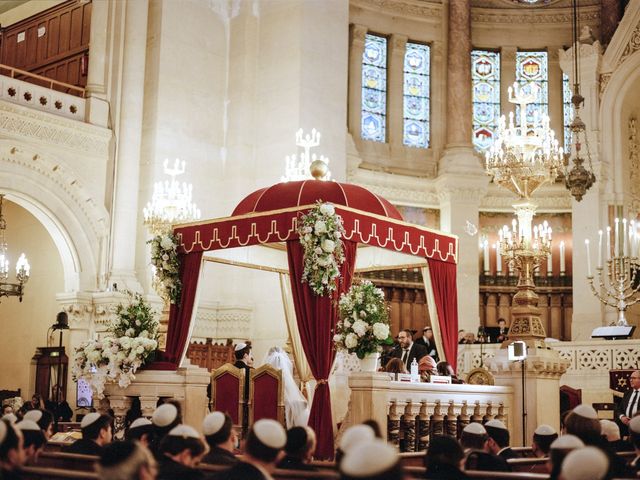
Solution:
(296, 407)
(445, 369)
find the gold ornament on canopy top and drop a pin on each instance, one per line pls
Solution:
(524, 157)
(297, 169)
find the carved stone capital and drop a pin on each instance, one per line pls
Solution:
(633, 44)
(78, 307)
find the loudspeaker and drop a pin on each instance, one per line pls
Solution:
(517, 351)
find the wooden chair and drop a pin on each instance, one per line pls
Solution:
(267, 386)
(569, 397)
(227, 392)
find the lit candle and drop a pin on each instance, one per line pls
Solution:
(599, 248)
(561, 257)
(550, 264)
(608, 243)
(586, 243)
(485, 249)
(498, 259)
(616, 240)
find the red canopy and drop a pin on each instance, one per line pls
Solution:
(271, 215)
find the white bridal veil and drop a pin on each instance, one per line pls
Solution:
(295, 405)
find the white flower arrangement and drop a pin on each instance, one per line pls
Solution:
(116, 358)
(164, 258)
(321, 233)
(364, 320)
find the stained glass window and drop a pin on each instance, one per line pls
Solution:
(531, 67)
(485, 74)
(567, 111)
(374, 88)
(416, 95)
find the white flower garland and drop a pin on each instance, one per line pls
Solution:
(321, 233)
(164, 257)
(117, 358)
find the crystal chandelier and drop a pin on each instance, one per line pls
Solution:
(172, 201)
(22, 265)
(524, 157)
(298, 169)
(578, 179)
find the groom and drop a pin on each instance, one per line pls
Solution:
(244, 360)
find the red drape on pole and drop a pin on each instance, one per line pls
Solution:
(317, 317)
(180, 314)
(445, 292)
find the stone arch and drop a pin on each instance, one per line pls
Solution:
(45, 187)
(613, 126)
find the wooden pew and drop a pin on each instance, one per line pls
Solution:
(419, 472)
(280, 473)
(42, 473)
(528, 465)
(68, 461)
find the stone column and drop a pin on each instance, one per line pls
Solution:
(356, 50)
(459, 203)
(97, 107)
(395, 84)
(125, 208)
(610, 15)
(590, 214)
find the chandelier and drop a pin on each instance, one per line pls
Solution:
(298, 169)
(22, 265)
(172, 201)
(526, 156)
(578, 179)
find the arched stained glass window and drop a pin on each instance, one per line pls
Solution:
(531, 67)
(567, 111)
(485, 75)
(374, 88)
(416, 95)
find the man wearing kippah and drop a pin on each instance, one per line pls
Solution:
(221, 437)
(244, 360)
(96, 434)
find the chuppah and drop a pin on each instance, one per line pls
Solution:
(271, 216)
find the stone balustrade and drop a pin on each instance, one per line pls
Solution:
(589, 363)
(409, 413)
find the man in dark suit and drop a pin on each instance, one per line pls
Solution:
(428, 342)
(96, 434)
(630, 403)
(498, 441)
(408, 349)
(503, 330)
(244, 360)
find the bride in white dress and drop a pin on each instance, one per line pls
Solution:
(295, 405)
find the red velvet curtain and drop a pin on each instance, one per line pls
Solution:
(180, 314)
(317, 317)
(445, 292)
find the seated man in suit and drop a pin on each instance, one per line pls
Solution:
(474, 440)
(629, 404)
(408, 349)
(429, 342)
(498, 441)
(503, 330)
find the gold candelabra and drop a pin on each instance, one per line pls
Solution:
(525, 156)
(618, 286)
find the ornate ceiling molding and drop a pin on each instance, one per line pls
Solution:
(537, 16)
(418, 10)
(34, 126)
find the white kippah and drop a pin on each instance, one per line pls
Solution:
(3, 432)
(88, 419)
(10, 417)
(356, 435)
(33, 415)
(545, 430)
(164, 415)
(588, 463)
(213, 423)
(610, 430)
(140, 422)
(586, 411)
(634, 424)
(475, 428)
(28, 425)
(368, 459)
(566, 442)
(184, 431)
(270, 433)
(495, 423)
(240, 346)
